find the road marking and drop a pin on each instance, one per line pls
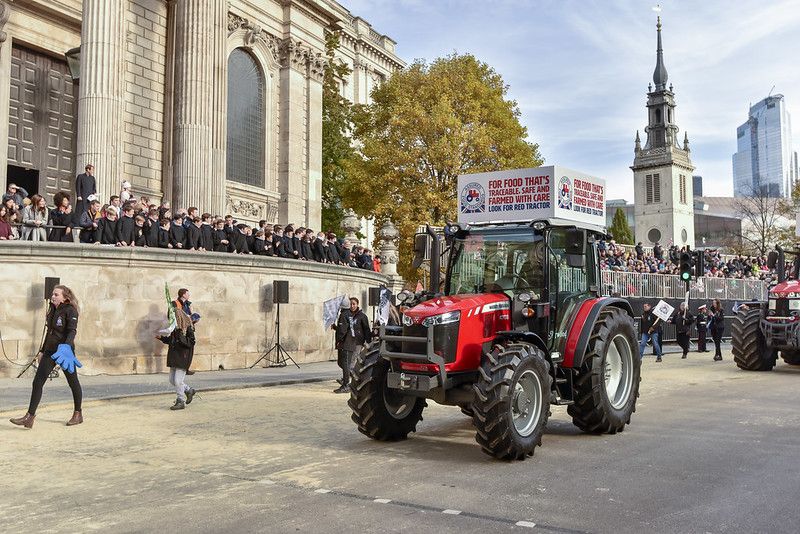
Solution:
(382, 501)
(451, 512)
(321, 490)
(528, 524)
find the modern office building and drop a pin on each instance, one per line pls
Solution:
(764, 162)
(697, 185)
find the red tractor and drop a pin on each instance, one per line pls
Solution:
(518, 324)
(763, 329)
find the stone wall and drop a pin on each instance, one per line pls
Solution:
(145, 75)
(121, 296)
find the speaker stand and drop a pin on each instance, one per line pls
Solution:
(276, 356)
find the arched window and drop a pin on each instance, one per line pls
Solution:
(658, 116)
(246, 121)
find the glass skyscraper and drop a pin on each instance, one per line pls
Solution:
(765, 162)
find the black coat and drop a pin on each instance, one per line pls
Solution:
(106, 233)
(193, 237)
(57, 218)
(163, 238)
(305, 250)
(650, 321)
(151, 232)
(85, 185)
(260, 247)
(278, 246)
(139, 236)
(319, 251)
(345, 340)
(207, 237)
(181, 347)
(126, 230)
(88, 230)
(177, 236)
(62, 325)
(682, 325)
(239, 242)
(219, 236)
(332, 253)
(717, 322)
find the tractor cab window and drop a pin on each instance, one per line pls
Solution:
(568, 280)
(497, 262)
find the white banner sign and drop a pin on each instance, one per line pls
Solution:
(663, 310)
(532, 194)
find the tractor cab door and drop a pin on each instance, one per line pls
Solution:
(571, 273)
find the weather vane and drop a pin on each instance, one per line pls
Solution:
(657, 8)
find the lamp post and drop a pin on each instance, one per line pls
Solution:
(73, 57)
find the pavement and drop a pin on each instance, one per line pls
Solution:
(15, 392)
(710, 448)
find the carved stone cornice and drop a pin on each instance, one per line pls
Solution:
(254, 34)
(5, 14)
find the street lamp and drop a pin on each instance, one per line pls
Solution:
(73, 57)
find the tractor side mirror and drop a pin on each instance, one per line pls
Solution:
(420, 247)
(772, 259)
(576, 261)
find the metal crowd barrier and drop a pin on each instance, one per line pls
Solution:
(646, 285)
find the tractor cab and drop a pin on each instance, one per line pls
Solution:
(784, 297)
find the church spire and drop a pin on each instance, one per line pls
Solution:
(660, 74)
(637, 144)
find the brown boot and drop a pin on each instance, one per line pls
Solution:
(77, 418)
(26, 420)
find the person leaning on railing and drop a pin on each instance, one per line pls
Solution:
(34, 219)
(6, 228)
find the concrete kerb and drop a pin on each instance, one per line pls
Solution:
(229, 387)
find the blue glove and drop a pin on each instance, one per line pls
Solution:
(65, 358)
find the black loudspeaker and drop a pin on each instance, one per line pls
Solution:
(280, 291)
(50, 284)
(374, 296)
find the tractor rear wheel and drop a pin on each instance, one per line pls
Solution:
(750, 351)
(512, 401)
(792, 357)
(607, 384)
(381, 412)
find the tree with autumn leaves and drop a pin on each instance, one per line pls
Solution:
(427, 124)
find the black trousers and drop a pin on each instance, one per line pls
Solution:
(701, 339)
(683, 341)
(717, 340)
(46, 365)
(345, 361)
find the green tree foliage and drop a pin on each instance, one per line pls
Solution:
(336, 141)
(426, 125)
(620, 229)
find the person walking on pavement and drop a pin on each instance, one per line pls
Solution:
(717, 328)
(650, 327)
(682, 320)
(179, 358)
(352, 332)
(183, 303)
(702, 328)
(62, 326)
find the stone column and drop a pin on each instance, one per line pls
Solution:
(351, 224)
(194, 98)
(388, 235)
(293, 140)
(5, 91)
(316, 70)
(220, 133)
(100, 100)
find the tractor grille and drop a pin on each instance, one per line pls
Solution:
(445, 340)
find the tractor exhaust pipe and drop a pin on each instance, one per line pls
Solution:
(781, 264)
(436, 260)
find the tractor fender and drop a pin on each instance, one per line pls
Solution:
(527, 337)
(583, 324)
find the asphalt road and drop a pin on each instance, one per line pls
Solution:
(710, 449)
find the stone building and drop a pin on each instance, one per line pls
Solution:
(208, 103)
(662, 169)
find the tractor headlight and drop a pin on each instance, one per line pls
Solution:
(445, 318)
(407, 320)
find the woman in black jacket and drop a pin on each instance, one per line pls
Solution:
(179, 357)
(62, 325)
(220, 236)
(717, 328)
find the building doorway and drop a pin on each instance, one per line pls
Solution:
(42, 129)
(28, 179)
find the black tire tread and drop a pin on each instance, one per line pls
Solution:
(749, 348)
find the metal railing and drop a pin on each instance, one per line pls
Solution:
(670, 286)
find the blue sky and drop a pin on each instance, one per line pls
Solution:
(579, 69)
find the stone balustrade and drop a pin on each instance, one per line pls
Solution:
(122, 304)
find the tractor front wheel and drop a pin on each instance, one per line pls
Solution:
(512, 401)
(382, 413)
(750, 351)
(607, 384)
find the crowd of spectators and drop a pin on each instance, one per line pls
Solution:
(614, 257)
(136, 222)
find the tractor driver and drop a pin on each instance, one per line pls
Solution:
(531, 274)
